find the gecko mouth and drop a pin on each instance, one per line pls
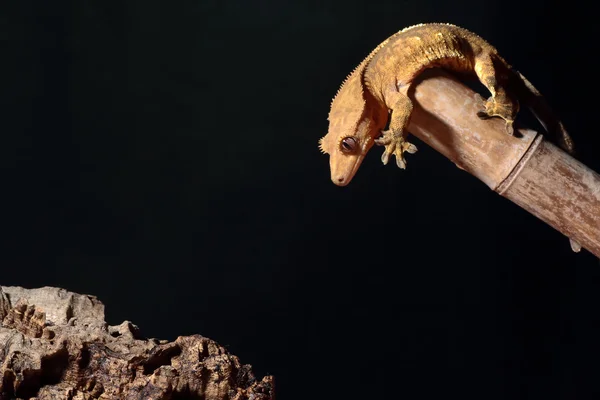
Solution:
(343, 180)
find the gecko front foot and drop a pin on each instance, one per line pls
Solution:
(394, 144)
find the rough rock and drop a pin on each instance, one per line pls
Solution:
(55, 344)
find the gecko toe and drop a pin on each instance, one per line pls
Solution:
(385, 138)
(381, 141)
(575, 246)
(400, 162)
(409, 148)
(509, 128)
(399, 153)
(385, 157)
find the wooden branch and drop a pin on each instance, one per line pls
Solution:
(528, 169)
(55, 345)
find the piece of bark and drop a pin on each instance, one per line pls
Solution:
(55, 344)
(526, 168)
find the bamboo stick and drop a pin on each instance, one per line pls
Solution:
(526, 168)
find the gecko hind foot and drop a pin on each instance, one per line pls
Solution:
(396, 145)
(494, 109)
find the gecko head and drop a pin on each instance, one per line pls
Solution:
(350, 137)
(355, 119)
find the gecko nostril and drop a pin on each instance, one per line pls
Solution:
(340, 179)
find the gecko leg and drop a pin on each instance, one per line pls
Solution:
(394, 138)
(501, 103)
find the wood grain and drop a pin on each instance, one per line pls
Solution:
(526, 168)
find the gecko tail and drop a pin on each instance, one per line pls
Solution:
(542, 111)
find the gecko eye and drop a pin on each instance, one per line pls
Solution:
(348, 145)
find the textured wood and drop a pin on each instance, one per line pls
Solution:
(445, 118)
(526, 169)
(56, 345)
(561, 191)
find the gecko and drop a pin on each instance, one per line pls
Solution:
(374, 95)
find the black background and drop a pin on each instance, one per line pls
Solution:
(163, 157)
